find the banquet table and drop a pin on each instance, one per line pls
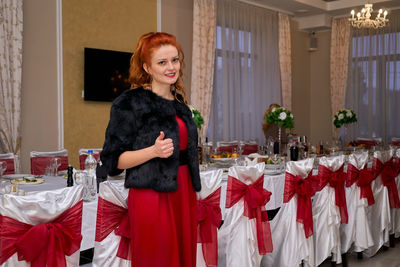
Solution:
(273, 183)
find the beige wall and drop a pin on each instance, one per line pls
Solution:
(177, 19)
(300, 80)
(320, 109)
(39, 100)
(114, 25)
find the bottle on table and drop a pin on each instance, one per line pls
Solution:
(90, 184)
(70, 180)
(294, 150)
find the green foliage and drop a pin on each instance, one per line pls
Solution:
(344, 116)
(281, 117)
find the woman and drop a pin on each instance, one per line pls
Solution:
(151, 134)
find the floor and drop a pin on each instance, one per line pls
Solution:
(384, 258)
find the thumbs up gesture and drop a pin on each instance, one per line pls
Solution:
(163, 147)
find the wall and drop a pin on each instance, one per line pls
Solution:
(300, 80)
(113, 25)
(320, 98)
(39, 96)
(177, 19)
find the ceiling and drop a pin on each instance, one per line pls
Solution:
(322, 11)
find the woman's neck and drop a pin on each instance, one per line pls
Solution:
(164, 92)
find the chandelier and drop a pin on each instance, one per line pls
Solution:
(363, 19)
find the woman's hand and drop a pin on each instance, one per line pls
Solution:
(163, 148)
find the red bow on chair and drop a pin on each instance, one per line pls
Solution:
(388, 174)
(363, 178)
(336, 180)
(44, 244)
(209, 219)
(112, 217)
(255, 198)
(305, 189)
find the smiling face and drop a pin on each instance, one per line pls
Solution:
(164, 66)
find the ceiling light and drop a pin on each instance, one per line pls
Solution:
(363, 18)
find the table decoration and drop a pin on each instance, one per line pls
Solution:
(282, 117)
(341, 119)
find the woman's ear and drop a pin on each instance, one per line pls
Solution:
(146, 68)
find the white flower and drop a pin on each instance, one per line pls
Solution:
(273, 110)
(291, 115)
(282, 116)
(349, 114)
(340, 116)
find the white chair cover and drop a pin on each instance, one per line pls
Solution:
(395, 213)
(237, 238)
(37, 208)
(326, 217)
(105, 252)
(291, 246)
(379, 213)
(9, 158)
(210, 182)
(356, 232)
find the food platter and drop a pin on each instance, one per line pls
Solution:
(27, 180)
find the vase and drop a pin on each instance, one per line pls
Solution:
(343, 135)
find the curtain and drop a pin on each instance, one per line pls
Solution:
(10, 74)
(373, 89)
(204, 23)
(340, 41)
(285, 61)
(247, 76)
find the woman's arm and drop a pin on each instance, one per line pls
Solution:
(162, 148)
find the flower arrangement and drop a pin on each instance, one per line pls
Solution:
(281, 117)
(196, 115)
(344, 116)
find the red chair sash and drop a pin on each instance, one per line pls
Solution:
(336, 180)
(396, 165)
(38, 164)
(209, 219)
(255, 198)
(363, 177)
(396, 143)
(229, 148)
(44, 244)
(305, 189)
(111, 217)
(10, 166)
(367, 143)
(249, 149)
(388, 171)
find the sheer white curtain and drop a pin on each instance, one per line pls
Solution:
(247, 75)
(10, 74)
(373, 88)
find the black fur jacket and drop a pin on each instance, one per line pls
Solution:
(137, 116)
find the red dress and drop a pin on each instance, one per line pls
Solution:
(164, 225)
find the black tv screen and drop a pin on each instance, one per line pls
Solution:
(106, 74)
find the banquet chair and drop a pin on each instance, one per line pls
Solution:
(9, 158)
(356, 234)
(227, 146)
(292, 227)
(369, 142)
(395, 213)
(395, 141)
(39, 160)
(379, 214)
(245, 234)
(42, 228)
(112, 246)
(249, 147)
(83, 153)
(209, 217)
(329, 209)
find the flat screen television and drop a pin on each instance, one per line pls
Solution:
(106, 74)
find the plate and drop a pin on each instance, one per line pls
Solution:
(223, 160)
(30, 180)
(16, 176)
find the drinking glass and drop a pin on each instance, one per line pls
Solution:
(56, 162)
(3, 167)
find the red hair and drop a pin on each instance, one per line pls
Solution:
(145, 48)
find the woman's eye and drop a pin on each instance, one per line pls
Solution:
(175, 60)
(161, 62)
